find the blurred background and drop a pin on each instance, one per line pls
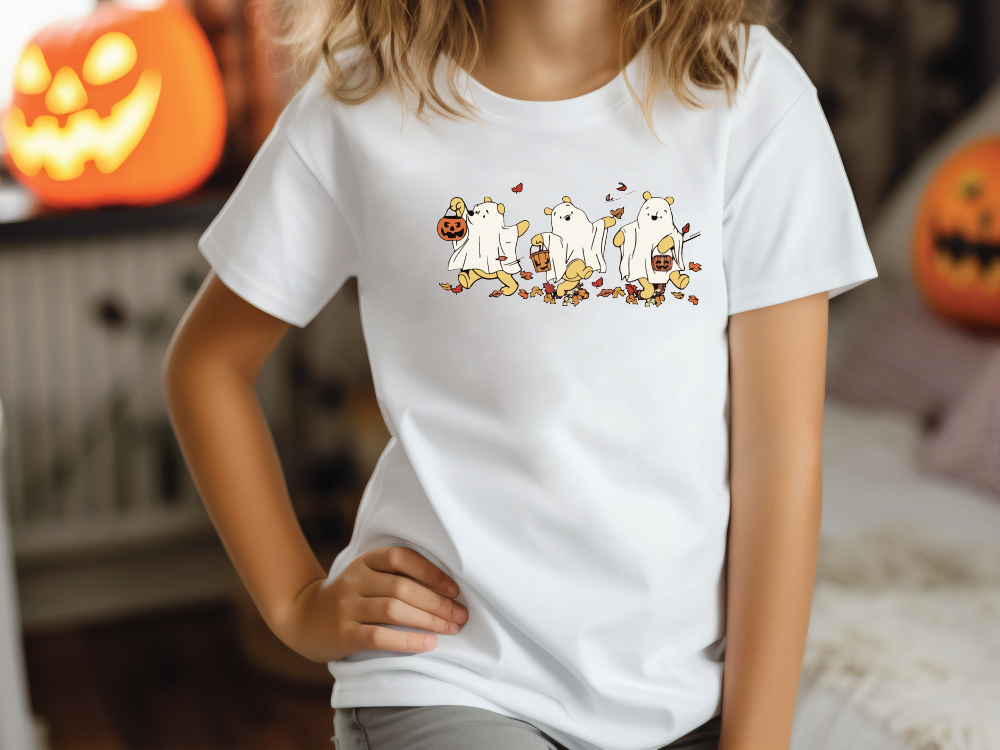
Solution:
(122, 623)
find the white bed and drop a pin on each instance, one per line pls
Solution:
(929, 680)
(871, 479)
(880, 508)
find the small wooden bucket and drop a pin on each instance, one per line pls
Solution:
(540, 260)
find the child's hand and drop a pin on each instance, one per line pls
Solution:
(387, 586)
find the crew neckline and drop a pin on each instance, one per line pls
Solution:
(612, 93)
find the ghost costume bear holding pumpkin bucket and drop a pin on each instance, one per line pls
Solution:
(652, 247)
(575, 246)
(488, 249)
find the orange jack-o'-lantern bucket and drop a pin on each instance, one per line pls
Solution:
(662, 262)
(452, 228)
(541, 261)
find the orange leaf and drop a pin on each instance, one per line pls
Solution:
(694, 267)
(526, 276)
(678, 295)
(693, 300)
(497, 293)
(523, 294)
(605, 293)
(446, 287)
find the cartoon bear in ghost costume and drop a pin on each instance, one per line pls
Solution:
(575, 245)
(652, 247)
(489, 248)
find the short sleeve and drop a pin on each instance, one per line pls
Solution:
(790, 225)
(281, 242)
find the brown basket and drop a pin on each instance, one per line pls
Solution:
(540, 260)
(662, 262)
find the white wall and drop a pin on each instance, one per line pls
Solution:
(16, 731)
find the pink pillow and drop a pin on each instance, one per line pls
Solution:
(911, 360)
(967, 445)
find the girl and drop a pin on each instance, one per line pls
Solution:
(596, 523)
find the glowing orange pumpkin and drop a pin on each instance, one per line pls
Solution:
(956, 240)
(123, 106)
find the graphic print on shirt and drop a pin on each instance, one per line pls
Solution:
(573, 251)
(652, 249)
(485, 247)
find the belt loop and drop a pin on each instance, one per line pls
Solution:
(360, 728)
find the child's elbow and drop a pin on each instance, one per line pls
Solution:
(177, 371)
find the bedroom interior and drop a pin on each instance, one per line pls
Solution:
(122, 623)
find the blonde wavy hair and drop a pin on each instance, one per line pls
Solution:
(690, 44)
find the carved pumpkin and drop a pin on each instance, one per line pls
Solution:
(451, 228)
(956, 240)
(122, 106)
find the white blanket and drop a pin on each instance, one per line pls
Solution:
(912, 640)
(906, 616)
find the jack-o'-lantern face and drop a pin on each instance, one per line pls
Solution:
(452, 228)
(124, 106)
(541, 260)
(956, 242)
(661, 262)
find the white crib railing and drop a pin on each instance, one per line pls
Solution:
(84, 325)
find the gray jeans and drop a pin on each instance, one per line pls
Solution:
(463, 728)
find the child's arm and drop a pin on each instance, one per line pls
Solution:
(777, 370)
(210, 378)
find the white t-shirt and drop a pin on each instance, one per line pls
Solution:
(560, 449)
